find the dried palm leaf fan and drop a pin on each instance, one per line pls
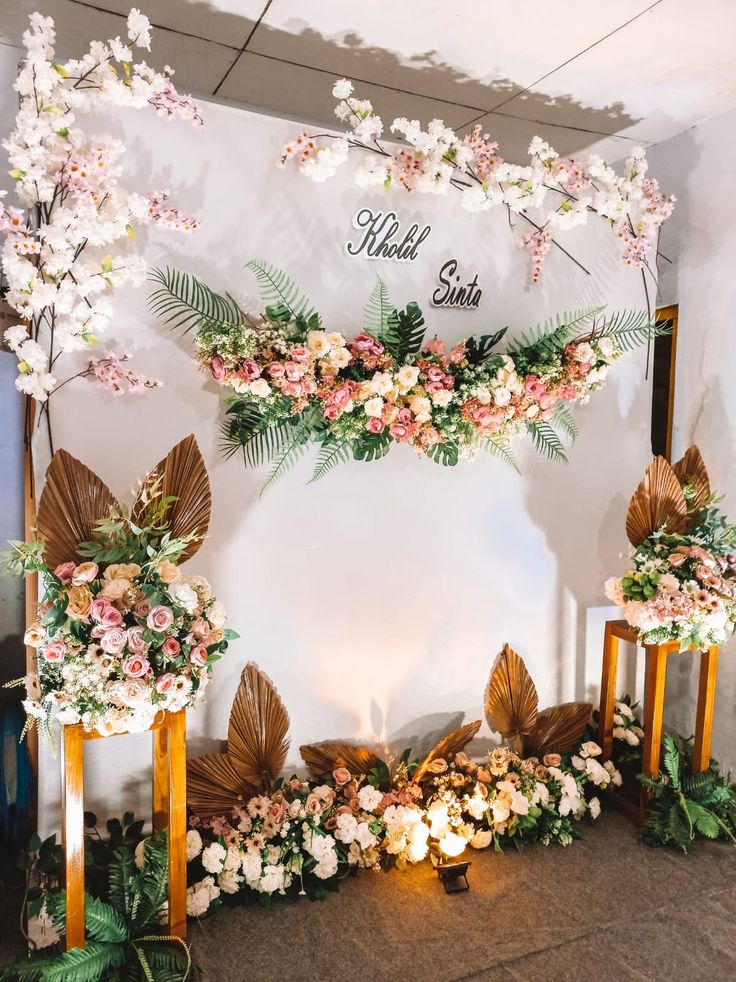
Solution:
(322, 758)
(257, 744)
(74, 500)
(657, 502)
(511, 706)
(690, 470)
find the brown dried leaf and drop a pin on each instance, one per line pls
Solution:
(558, 729)
(182, 475)
(257, 740)
(322, 758)
(511, 697)
(447, 747)
(656, 502)
(73, 500)
(214, 787)
(691, 469)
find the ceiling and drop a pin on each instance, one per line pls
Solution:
(584, 74)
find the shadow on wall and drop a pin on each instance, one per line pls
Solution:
(294, 78)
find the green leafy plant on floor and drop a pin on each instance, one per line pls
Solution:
(686, 806)
(125, 938)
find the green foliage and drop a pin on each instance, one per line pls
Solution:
(546, 441)
(480, 347)
(686, 806)
(23, 558)
(372, 446)
(293, 445)
(184, 302)
(445, 453)
(405, 332)
(377, 311)
(285, 301)
(564, 421)
(544, 341)
(629, 329)
(331, 454)
(499, 448)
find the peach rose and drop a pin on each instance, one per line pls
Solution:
(35, 633)
(78, 602)
(438, 766)
(171, 647)
(165, 682)
(313, 805)
(198, 656)
(160, 619)
(169, 572)
(136, 666)
(84, 573)
(341, 775)
(122, 571)
(551, 760)
(54, 651)
(116, 589)
(201, 629)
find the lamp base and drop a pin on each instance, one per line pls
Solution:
(454, 876)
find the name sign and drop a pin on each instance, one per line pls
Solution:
(383, 239)
(450, 293)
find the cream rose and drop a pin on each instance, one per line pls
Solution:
(317, 343)
(122, 571)
(169, 572)
(374, 407)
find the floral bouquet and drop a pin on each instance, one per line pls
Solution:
(682, 582)
(122, 632)
(295, 383)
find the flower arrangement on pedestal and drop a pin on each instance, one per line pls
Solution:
(122, 632)
(70, 244)
(682, 584)
(255, 835)
(433, 160)
(295, 383)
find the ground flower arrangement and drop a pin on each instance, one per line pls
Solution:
(681, 585)
(294, 384)
(122, 632)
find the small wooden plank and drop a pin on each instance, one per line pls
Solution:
(177, 840)
(160, 795)
(705, 708)
(72, 824)
(608, 688)
(656, 669)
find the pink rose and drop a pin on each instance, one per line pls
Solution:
(457, 354)
(375, 425)
(435, 374)
(341, 775)
(217, 367)
(398, 431)
(64, 571)
(434, 387)
(171, 647)
(293, 371)
(404, 415)
(568, 393)
(198, 656)
(105, 614)
(293, 389)
(482, 416)
(142, 608)
(676, 559)
(431, 436)
(276, 369)
(331, 412)
(300, 354)
(533, 387)
(201, 629)
(84, 573)
(114, 641)
(136, 666)
(164, 683)
(160, 619)
(250, 369)
(435, 346)
(54, 651)
(448, 381)
(135, 640)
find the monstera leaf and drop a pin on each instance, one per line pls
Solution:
(656, 502)
(257, 744)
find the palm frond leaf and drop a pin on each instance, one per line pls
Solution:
(279, 291)
(691, 471)
(322, 758)
(558, 729)
(629, 329)
(564, 421)
(499, 448)
(657, 502)
(291, 447)
(511, 699)
(547, 442)
(377, 311)
(184, 302)
(447, 747)
(214, 787)
(331, 453)
(550, 336)
(257, 740)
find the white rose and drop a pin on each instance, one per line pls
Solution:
(407, 377)
(339, 358)
(228, 881)
(420, 406)
(213, 857)
(369, 798)
(194, 844)
(594, 806)
(482, 839)
(251, 867)
(501, 396)
(590, 749)
(183, 595)
(317, 343)
(605, 346)
(532, 411)
(260, 388)
(364, 837)
(374, 407)
(216, 614)
(442, 398)
(347, 826)
(381, 383)
(584, 353)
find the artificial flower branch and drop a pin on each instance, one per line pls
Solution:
(436, 159)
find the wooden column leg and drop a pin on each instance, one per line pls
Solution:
(160, 788)
(654, 707)
(706, 705)
(608, 691)
(177, 824)
(72, 825)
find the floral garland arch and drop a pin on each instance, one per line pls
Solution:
(295, 383)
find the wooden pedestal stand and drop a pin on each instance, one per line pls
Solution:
(656, 669)
(169, 810)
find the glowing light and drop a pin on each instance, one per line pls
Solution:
(452, 844)
(439, 820)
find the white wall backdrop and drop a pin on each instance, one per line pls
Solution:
(701, 239)
(382, 594)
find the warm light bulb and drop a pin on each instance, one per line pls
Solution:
(452, 844)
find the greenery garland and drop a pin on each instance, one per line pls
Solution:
(296, 384)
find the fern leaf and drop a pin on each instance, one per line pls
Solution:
(564, 421)
(554, 333)
(630, 329)
(671, 761)
(330, 455)
(405, 332)
(184, 302)
(546, 441)
(680, 827)
(122, 873)
(377, 311)
(96, 961)
(277, 289)
(499, 448)
(704, 821)
(292, 447)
